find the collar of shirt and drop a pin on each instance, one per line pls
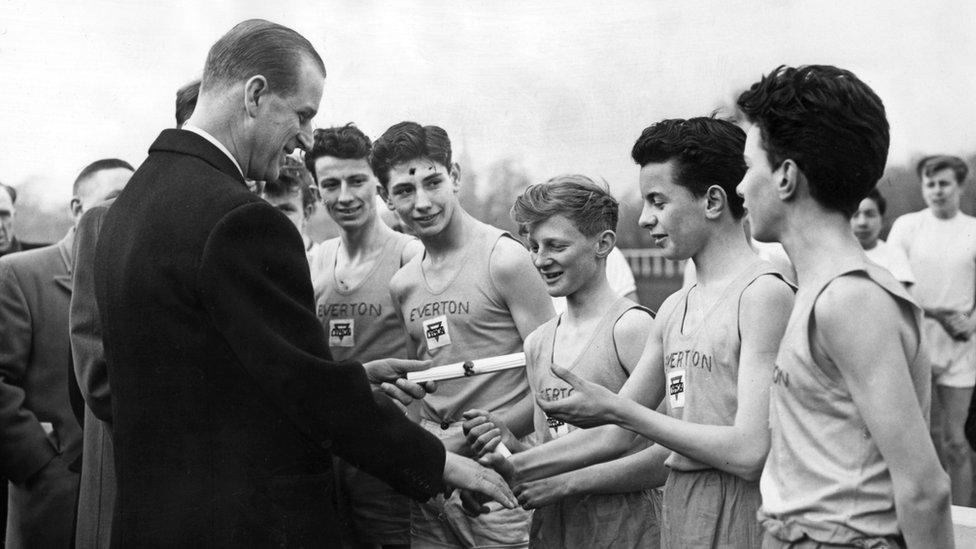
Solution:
(202, 133)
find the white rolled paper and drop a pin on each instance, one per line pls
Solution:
(469, 368)
(503, 450)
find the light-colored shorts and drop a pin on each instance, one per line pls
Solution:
(598, 521)
(953, 362)
(710, 508)
(442, 522)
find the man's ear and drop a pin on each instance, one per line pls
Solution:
(255, 91)
(75, 207)
(605, 243)
(787, 178)
(716, 201)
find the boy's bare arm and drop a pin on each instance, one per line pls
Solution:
(871, 343)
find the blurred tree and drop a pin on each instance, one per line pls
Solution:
(507, 179)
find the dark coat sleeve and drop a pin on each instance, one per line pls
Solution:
(254, 281)
(83, 320)
(24, 446)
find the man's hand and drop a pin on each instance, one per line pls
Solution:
(545, 491)
(461, 472)
(484, 431)
(389, 375)
(588, 405)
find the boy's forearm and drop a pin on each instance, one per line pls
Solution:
(637, 471)
(576, 450)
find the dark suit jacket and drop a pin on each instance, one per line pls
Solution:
(96, 491)
(35, 287)
(226, 404)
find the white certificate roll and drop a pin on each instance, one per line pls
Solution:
(469, 368)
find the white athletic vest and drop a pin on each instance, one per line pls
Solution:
(467, 320)
(598, 362)
(361, 323)
(825, 476)
(701, 367)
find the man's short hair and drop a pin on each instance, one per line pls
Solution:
(255, 47)
(931, 164)
(408, 141)
(97, 166)
(10, 191)
(875, 195)
(347, 142)
(830, 123)
(707, 151)
(293, 177)
(186, 101)
(578, 198)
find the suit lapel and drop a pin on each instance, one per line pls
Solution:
(187, 142)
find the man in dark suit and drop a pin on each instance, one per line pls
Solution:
(39, 435)
(226, 405)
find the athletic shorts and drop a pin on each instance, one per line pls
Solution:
(710, 508)
(599, 521)
(953, 362)
(441, 522)
(772, 542)
(370, 511)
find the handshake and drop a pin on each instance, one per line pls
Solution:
(492, 443)
(477, 483)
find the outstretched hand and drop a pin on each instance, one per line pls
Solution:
(478, 484)
(389, 374)
(588, 404)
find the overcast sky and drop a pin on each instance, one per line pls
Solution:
(561, 86)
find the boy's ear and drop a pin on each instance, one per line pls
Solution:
(455, 172)
(716, 201)
(787, 178)
(385, 195)
(605, 243)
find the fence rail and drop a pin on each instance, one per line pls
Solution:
(651, 263)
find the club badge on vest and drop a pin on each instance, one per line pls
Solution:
(342, 332)
(436, 332)
(676, 388)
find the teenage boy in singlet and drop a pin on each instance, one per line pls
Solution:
(472, 294)
(570, 223)
(709, 355)
(352, 300)
(851, 462)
